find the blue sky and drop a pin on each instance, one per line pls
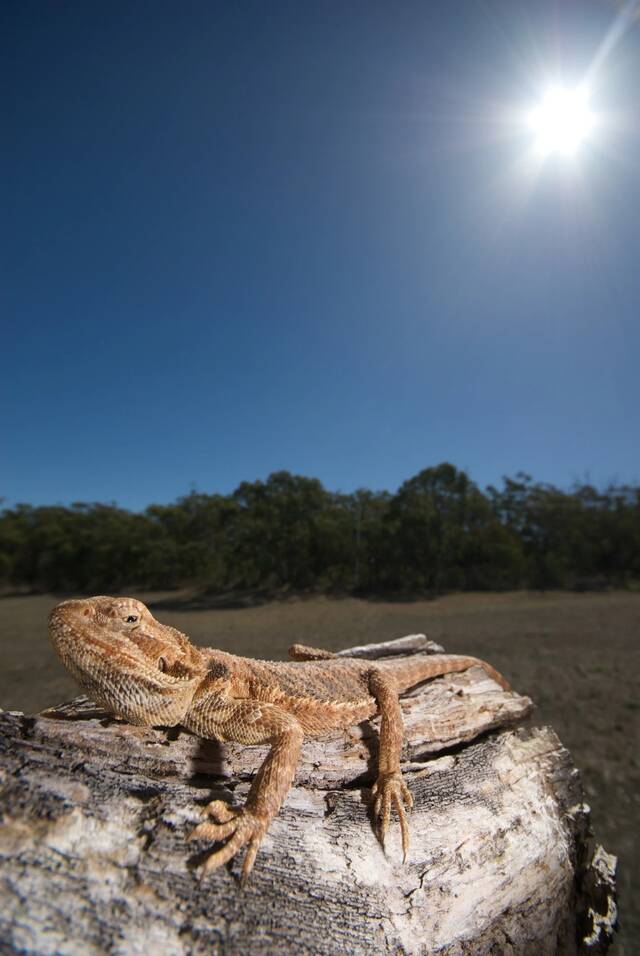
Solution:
(245, 237)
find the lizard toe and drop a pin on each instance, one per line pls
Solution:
(404, 826)
(219, 811)
(212, 831)
(245, 828)
(391, 790)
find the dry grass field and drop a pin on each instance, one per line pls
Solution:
(576, 655)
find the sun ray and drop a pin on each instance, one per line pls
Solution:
(622, 23)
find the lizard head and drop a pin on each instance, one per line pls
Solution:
(127, 661)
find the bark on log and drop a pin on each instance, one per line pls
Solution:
(94, 857)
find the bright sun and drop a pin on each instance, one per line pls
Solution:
(562, 121)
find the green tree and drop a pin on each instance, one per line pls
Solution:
(446, 535)
(277, 539)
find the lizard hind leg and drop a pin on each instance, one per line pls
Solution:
(390, 790)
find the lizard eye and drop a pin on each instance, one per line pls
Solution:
(162, 664)
(132, 619)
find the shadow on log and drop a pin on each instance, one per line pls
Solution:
(94, 857)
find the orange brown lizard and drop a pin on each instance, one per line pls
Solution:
(150, 674)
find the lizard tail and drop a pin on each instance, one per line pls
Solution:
(407, 673)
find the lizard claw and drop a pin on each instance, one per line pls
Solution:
(243, 827)
(390, 789)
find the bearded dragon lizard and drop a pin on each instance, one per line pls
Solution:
(150, 674)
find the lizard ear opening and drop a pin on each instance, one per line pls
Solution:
(87, 612)
(162, 664)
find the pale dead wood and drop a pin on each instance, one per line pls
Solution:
(411, 644)
(93, 855)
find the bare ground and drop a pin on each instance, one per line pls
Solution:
(576, 655)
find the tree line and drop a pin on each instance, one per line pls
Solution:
(439, 532)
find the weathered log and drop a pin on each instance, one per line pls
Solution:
(94, 857)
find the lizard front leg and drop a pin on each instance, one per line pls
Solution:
(247, 722)
(389, 787)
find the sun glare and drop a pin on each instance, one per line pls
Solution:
(562, 121)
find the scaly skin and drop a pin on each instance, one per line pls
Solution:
(148, 673)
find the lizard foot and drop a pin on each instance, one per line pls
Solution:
(240, 827)
(390, 789)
